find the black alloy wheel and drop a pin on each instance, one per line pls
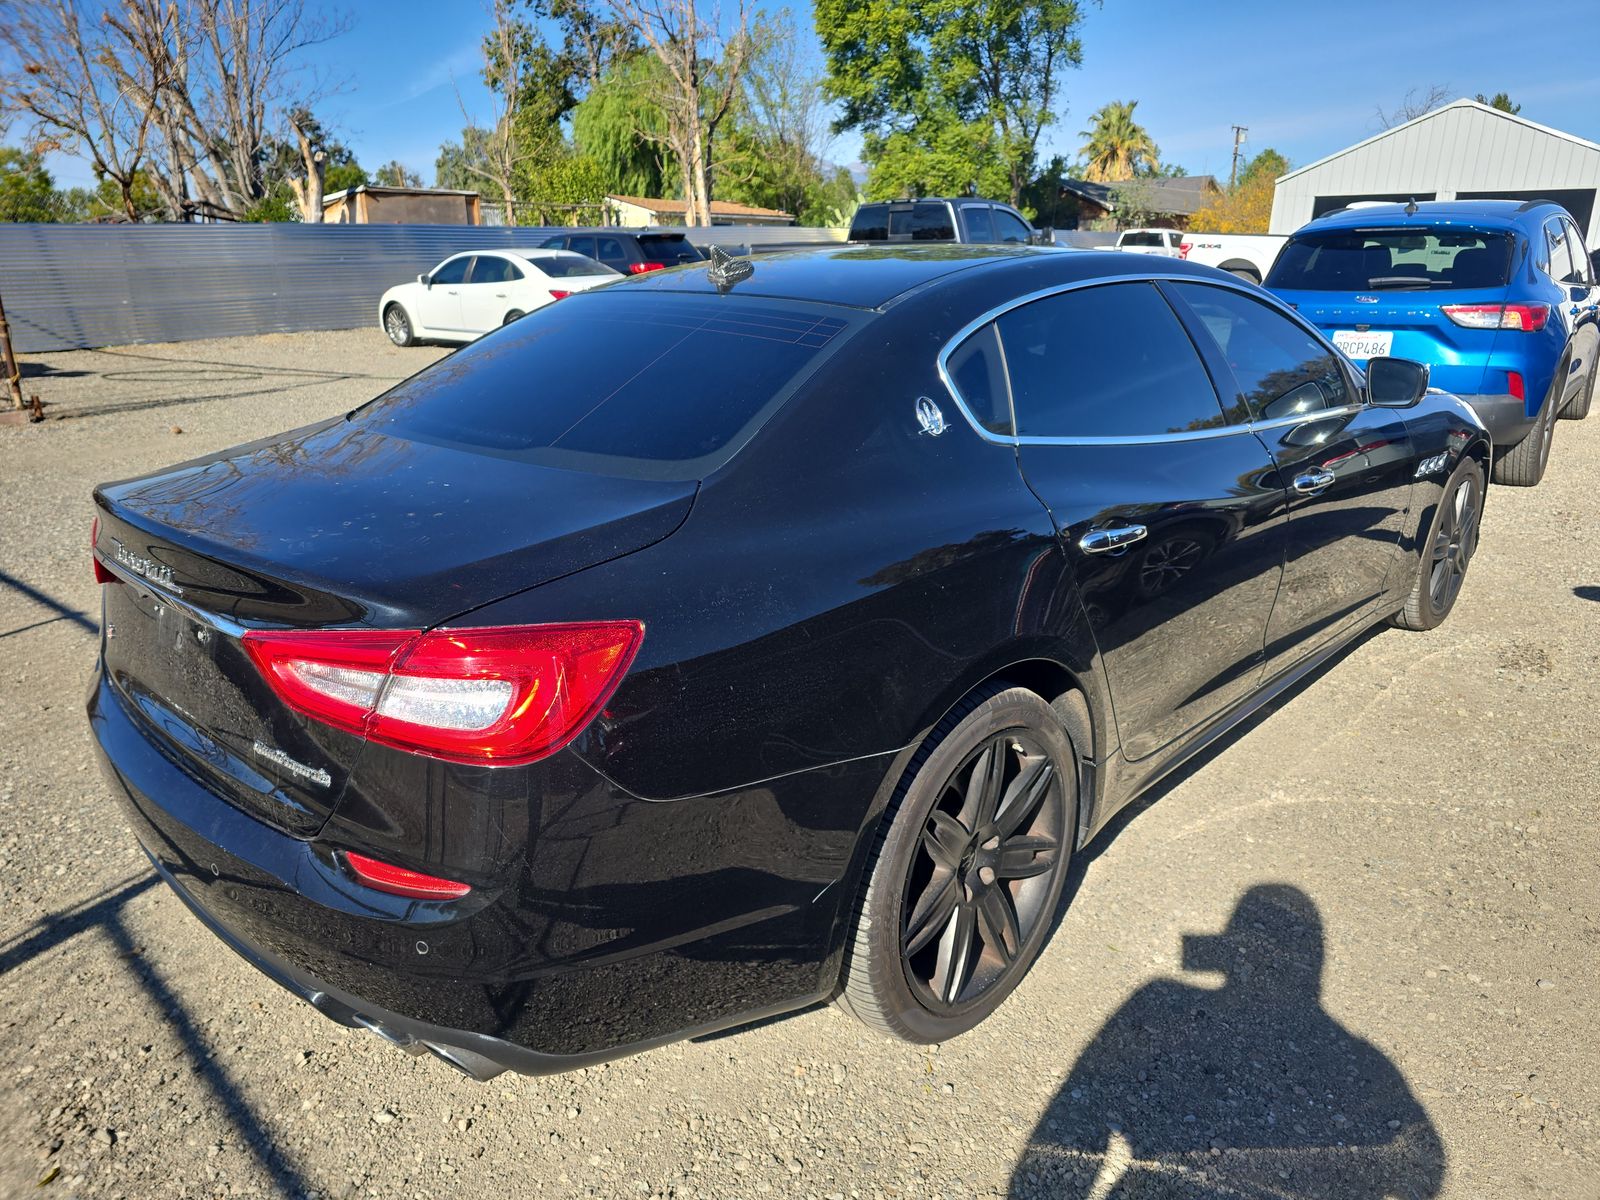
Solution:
(977, 889)
(968, 869)
(1448, 550)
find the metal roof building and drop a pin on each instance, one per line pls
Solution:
(1463, 151)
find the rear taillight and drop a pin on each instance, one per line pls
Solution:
(101, 575)
(402, 881)
(1528, 318)
(1183, 249)
(558, 294)
(641, 268)
(507, 694)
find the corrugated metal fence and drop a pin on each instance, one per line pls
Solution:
(71, 287)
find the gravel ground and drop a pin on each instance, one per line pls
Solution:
(1396, 868)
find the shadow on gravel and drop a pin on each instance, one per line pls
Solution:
(1586, 592)
(1247, 1090)
(105, 914)
(63, 613)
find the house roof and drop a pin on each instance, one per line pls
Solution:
(377, 190)
(1182, 195)
(719, 208)
(1438, 112)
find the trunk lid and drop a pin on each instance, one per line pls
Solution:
(332, 525)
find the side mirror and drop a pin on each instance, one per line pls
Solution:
(1396, 382)
(425, 279)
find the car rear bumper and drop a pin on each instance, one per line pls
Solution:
(499, 980)
(1506, 418)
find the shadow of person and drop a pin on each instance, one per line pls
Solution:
(1247, 1090)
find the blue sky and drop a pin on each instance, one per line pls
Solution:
(1304, 78)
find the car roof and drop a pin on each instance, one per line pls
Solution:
(615, 230)
(877, 274)
(1492, 213)
(942, 200)
(530, 252)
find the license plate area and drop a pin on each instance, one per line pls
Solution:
(1362, 346)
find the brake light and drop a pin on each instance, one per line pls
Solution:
(1183, 249)
(641, 267)
(504, 694)
(402, 881)
(101, 574)
(1527, 318)
(1515, 386)
(558, 294)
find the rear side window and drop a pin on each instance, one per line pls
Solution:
(1282, 370)
(1110, 362)
(581, 245)
(978, 371)
(658, 385)
(491, 268)
(567, 266)
(870, 224)
(1410, 259)
(669, 249)
(1564, 266)
(610, 251)
(979, 222)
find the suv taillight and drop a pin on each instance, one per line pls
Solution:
(1183, 249)
(641, 267)
(101, 574)
(504, 694)
(1528, 318)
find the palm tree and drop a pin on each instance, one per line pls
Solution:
(1118, 146)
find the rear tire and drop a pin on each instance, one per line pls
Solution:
(1452, 540)
(513, 315)
(966, 869)
(1523, 464)
(1244, 273)
(398, 326)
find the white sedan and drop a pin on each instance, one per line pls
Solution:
(469, 294)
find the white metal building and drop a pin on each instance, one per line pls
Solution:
(1463, 151)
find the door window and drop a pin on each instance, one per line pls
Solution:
(582, 245)
(1280, 368)
(609, 251)
(1108, 362)
(453, 271)
(980, 225)
(1008, 227)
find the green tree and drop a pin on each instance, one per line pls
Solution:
(343, 176)
(1248, 207)
(621, 130)
(1118, 147)
(461, 165)
(1268, 165)
(396, 174)
(937, 78)
(27, 193)
(1500, 101)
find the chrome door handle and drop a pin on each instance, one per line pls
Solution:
(1108, 541)
(1313, 482)
(499, 295)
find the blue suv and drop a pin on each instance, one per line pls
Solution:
(1500, 298)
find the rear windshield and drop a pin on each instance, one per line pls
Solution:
(1141, 239)
(565, 266)
(1410, 259)
(928, 221)
(658, 385)
(668, 248)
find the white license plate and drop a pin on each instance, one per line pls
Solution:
(1362, 346)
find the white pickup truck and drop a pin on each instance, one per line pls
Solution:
(1163, 242)
(1247, 255)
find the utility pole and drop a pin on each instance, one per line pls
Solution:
(1238, 140)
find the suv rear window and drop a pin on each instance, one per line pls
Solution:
(1411, 259)
(668, 248)
(870, 224)
(660, 385)
(1141, 238)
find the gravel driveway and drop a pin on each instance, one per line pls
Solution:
(1353, 953)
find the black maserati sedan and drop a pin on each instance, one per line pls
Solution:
(747, 635)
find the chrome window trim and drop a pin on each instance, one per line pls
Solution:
(999, 310)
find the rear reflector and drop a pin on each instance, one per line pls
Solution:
(641, 267)
(1528, 318)
(558, 294)
(1515, 386)
(101, 575)
(506, 694)
(402, 881)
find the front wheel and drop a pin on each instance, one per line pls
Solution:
(1447, 552)
(967, 869)
(398, 326)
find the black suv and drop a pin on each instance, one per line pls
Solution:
(964, 219)
(630, 253)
